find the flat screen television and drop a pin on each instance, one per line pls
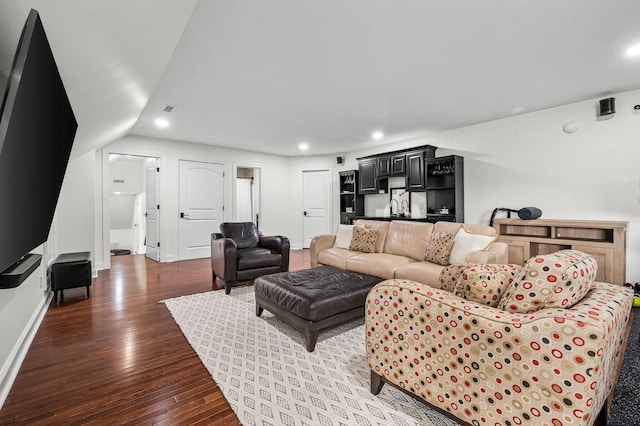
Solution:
(37, 129)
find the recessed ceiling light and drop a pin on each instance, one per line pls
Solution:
(303, 146)
(161, 122)
(377, 135)
(634, 50)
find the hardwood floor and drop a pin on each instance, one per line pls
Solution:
(118, 357)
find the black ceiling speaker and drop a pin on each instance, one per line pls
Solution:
(608, 106)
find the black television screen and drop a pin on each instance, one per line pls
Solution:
(37, 129)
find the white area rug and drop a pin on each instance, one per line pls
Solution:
(269, 378)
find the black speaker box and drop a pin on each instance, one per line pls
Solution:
(608, 106)
(340, 160)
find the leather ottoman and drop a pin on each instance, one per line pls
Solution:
(314, 300)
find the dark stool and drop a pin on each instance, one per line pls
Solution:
(70, 270)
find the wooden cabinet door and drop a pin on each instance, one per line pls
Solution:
(397, 164)
(415, 170)
(604, 258)
(368, 183)
(384, 165)
(519, 251)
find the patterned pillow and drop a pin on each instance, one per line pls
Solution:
(364, 239)
(450, 275)
(485, 284)
(439, 248)
(556, 280)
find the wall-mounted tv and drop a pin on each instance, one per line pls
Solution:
(37, 129)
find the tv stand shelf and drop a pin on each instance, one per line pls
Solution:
(604, 240)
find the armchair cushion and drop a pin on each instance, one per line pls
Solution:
(245, 234)
(485, 284)
(557, 280)
(257, 257)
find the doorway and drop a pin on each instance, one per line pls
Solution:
(246, 194)
(316, 204)
(130, 193)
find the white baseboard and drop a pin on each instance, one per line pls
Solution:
(16, 357)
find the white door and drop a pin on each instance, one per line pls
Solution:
(152, 222)
(316, 204)
(200, 196)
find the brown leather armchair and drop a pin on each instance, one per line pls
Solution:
(239, 253)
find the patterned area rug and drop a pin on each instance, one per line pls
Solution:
(269, 378)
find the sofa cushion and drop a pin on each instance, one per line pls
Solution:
(381, 265)
(381, 226)
(336, 257)
(556, 280)
(363, 239)
(485, 284)
(439, 248)
(408, 238)
(343, 236)
(465, 243)
(422, 272)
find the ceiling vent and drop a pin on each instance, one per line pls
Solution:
(168, 108)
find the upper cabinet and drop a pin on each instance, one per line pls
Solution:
(444, 178)
(415, 170)
(368, 171)
(398, 162)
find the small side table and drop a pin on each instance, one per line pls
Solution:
(70, 270)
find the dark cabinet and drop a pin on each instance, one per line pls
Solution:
(368, 171)
(445, 188)
(397, 164)
(384, 165)
(351, 202)
(414, 170)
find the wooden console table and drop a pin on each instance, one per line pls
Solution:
(604, 240)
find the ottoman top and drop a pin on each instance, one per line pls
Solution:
(316, 293)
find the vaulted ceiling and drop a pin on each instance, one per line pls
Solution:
(267, 76)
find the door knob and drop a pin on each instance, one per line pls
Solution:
(305, 213)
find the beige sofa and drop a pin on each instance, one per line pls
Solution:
(400, 250)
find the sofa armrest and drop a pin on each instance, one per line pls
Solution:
(319, 243)
(497, 252)
(456, 354)
(224, 257)
(278, 244)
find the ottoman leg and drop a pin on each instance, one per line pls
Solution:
(259, 309)
(55, 297)
(88, 293)
(310, 339)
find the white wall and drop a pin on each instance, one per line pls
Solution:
(276, 216)
(527, 160)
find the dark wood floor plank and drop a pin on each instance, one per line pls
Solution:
(119, 357)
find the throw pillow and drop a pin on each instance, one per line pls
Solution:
(439, 248)
(343, 236)
(556, 280)
(449, 276)
(465, 243)
(363, 239)
(485, 284)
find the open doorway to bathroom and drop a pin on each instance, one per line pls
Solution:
(246, 198)
(132, 191)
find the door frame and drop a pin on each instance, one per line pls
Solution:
(234, 177)
(329, 207)
(106, 205)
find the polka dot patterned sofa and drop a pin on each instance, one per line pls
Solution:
(502, 344)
